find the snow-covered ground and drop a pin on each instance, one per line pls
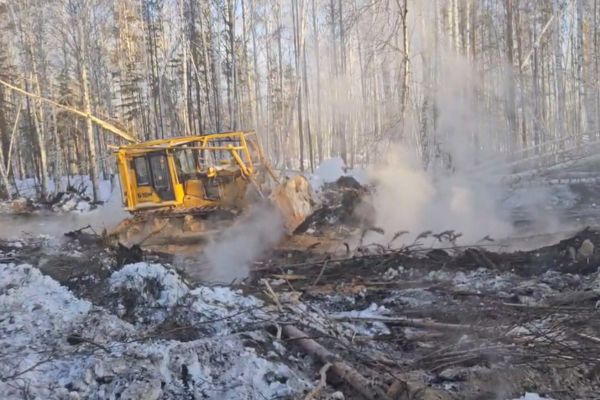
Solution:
(54, 345)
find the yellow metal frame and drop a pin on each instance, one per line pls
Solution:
(246, 153)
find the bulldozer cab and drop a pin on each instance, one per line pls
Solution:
(190, 172)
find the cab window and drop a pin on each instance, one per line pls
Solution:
(185, 159)
(142, 174)
(160, 171)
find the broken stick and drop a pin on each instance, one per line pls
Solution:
(322, 383)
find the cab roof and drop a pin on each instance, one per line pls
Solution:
(180, 140)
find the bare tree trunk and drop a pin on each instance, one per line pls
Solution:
(307, 109)
(296, 21)
(58, 170)
(281, 115)
(195, 61)
(521, 76)
(405, 65)
(184, 50)
(476, 65)
(233, 78)
(213, 115)
(333, 137)
(596, 112)
(4, 146)
(558, 73)
(510, 101)
(318, 72)
(248, 119)
(585, 108)
(216, 73)
(257, 93)
(87, 108)
(274, 151)
(342, 122)
(536, 91)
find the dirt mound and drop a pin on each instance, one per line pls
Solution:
(345, 203)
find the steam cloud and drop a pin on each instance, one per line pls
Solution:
(409, 198)
(229, 257)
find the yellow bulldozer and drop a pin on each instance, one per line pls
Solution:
(184, 190)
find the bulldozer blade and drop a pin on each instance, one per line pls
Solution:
(295, 200)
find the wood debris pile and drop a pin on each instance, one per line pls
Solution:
(454, 322)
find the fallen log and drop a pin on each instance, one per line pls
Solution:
(570, 298)
(544, 307)
(339, 367)
(411, 322)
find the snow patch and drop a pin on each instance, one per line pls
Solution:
(225, 308)
(38, 313)
(532, 396)
(367, 328)
(35, 300)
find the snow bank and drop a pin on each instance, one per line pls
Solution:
(56, 346)
(35, 300)
(37, 314)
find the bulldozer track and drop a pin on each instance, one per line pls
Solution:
(140, 216)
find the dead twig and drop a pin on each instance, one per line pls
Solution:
(592, 339)
(322, 382)
(458, 361)
(272, 295)
(46, 360)
(76, 339)
(318, 278)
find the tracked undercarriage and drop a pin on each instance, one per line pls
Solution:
(161, 228)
